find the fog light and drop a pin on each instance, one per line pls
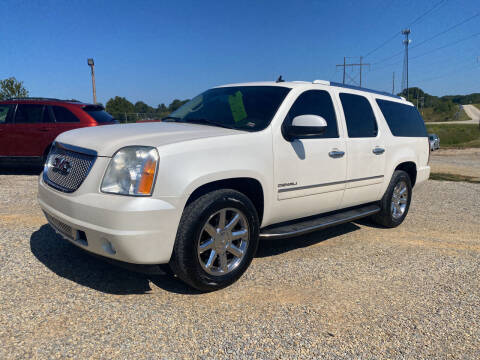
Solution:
(108, 247)
(81, 238)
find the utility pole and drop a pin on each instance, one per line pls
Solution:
(92, 68)
(393, 83)
(360, 64)
(406, 42)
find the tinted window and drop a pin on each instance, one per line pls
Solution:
(29, 114)
(402, 119)
(5, 113)
(100, 116)
(315, 102)
(248, 108)
(64, 115)
(358, 116)
(47, 115)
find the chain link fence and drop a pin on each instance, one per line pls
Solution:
(138, 117)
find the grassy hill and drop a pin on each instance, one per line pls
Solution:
(456, 135)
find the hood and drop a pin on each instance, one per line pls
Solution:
(107, 139)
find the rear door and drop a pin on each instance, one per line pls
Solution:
(64, 119)
(28, 133)
(6, 114)
(365, 148)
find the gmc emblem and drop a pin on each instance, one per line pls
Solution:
(61, 166)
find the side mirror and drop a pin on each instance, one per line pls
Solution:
(305, 126)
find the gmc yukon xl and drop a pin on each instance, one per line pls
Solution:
(236, 164)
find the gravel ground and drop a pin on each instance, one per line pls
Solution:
(353, 291)
(456, 161)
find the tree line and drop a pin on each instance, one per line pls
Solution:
(125, 111)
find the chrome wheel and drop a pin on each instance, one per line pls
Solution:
(223, 241)
(399, 200)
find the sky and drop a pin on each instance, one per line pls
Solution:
(156, 51)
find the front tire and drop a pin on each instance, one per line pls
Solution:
(395, 202)
(216, 241)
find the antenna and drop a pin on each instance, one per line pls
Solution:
(280, 79)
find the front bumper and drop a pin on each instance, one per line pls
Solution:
(129, 229)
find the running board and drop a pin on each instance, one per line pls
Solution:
(304, 226)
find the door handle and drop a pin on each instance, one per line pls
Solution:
(378, 150)
(335, 153)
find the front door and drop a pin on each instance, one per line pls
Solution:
(366, 151)
(310, 173)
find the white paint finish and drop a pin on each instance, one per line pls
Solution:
(143, 230)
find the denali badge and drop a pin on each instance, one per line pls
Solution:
(61, 165)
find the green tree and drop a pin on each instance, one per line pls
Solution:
(11, 87)
(175, 104)
(119, 107)
(141, 107)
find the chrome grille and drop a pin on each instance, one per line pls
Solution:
(59, 226)
(67, 167)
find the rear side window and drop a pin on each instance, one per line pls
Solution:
(29, 114)
(5, 113)
(63, 115)
(100, 116)
(403, 120)
(315, 102)
(359, 116)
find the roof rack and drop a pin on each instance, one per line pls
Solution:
(364, 89)
(41, 98)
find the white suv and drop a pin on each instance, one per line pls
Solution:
(237, 163)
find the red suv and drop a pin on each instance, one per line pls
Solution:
(28, 126)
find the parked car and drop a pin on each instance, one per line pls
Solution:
(28, 126)
(236, 164)
(434, 141)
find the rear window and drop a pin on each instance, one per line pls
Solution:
(63, 115)
(100, 116)
(403, 120)
(29, 114)
(359, 116)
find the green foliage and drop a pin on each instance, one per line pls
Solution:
(124, 111)
(11, 87)
(456, 135)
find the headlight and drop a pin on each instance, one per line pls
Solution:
(131, 171)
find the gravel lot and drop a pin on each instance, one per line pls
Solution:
(354, 291)
(456, 161)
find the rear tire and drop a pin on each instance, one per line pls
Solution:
(216, 241)
(395, 203)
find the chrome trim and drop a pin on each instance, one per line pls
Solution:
(74, 148)
(330, 183)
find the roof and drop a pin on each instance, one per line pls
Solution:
(45, 100)
(294, 84)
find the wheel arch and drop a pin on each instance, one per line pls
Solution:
(410, 168)
(250, 187)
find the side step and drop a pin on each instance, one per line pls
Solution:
(306, 225)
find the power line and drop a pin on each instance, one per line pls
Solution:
(447, 30)
(429, 39)
(426, 13)
(409, 25)
(447, 45)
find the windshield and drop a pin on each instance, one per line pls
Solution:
(249, 108)
(100, 115)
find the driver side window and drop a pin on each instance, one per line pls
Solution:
(315, 102)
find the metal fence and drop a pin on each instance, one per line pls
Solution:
(136, 117)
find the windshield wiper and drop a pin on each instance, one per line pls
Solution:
(204, 121)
